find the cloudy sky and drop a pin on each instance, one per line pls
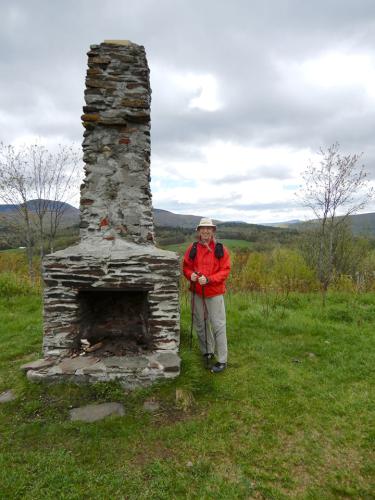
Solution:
(244, 92)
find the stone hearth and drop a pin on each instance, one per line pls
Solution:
(111, 304)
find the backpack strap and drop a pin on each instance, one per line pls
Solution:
(193, 250)
(219, 250)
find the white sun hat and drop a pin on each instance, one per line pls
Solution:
(206, 222)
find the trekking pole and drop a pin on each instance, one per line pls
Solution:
(205, 316)
(192, 316)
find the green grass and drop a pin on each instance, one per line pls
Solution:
(237, 244)
(291, 417)
(230, 244)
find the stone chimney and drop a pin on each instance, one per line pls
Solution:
(111, 303)
(115, 195)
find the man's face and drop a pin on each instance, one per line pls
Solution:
(206, 233)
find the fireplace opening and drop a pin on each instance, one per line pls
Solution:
(113, 323)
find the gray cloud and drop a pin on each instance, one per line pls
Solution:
(265, 172)
(275, 206)
(196, 205)
(43, 63)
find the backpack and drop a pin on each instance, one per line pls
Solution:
(219, 250)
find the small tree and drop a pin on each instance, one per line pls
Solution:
(54, 180)
(15, 186)
(38, 183)
(334, 189)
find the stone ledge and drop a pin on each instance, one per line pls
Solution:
(130, 371)
(38, 364)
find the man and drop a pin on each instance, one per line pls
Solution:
(207, 265)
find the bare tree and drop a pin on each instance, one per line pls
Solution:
(334, 189)
(55, 181)
(11, 230)
(16, 188)
(38, 183)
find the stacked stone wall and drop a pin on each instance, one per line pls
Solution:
(115, 195)
(155, 272)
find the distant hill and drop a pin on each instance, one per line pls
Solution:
(286, 223)
(70, 217)
(361, 224)
(170, 228)
(163, 218)
(4, 209)
(33, 204)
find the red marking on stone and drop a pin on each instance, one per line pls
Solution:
(110, 238)
(124, 140)
(104, 222)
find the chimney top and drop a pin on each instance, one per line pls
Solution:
(118, 42)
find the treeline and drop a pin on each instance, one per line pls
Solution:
(263, 237)
(281, 270)
(172, 235)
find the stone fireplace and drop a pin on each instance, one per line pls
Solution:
(114, 321)
(111, 305)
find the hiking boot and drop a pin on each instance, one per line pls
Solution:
(218, 367)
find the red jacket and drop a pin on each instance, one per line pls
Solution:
(205, 262)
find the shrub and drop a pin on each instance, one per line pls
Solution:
(14, 273)
(11, 285)
(256, 274)
(282, 270)
(290, 272)
(365, 277)
(343, 283)
(15, 261)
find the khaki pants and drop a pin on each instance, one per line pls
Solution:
(215, 326)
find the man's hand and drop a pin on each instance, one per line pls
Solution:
(202, 280)
(194, 277)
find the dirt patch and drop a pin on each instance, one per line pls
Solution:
(150, 452)
(169, 413)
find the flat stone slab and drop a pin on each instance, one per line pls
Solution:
(170, 361)
(71, 365)
(126, 362)
(7, 396)
(38, 364)
(95, 412)
(130, 371)
(98, 367)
